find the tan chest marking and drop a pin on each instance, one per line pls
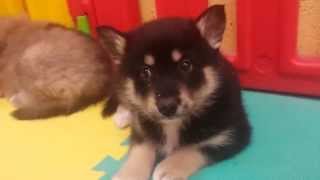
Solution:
(172, 136)
(222, 139)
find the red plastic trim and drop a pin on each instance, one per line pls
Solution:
(267, 49)
(181, 8)
(75, 8)
(292, 63)
(266, 55)
(244, 53)
(122, 14)
(88, 8)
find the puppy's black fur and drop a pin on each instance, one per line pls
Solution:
(165, 80)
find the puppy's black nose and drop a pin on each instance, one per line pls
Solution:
(168, 106)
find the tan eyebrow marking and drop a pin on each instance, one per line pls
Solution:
(176, 55)
(149, 60)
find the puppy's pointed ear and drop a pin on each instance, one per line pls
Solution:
(113, 41)
(211, 25)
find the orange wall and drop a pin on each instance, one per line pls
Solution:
(229, 41)
(148, 12)
(309, 28)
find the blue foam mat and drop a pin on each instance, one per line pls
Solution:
(285, 142)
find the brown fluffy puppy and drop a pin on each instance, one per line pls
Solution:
(46, 69)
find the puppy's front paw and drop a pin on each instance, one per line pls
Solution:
(119, 177)
(169, 170)
(139, 163)
(122, 117)
(131, 175)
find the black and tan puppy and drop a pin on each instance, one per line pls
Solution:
(47, 70)
(183, 96)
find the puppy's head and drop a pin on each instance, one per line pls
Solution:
(168, 65)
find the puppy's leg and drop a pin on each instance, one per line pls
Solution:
(1, 89)
(29, 107)
(40, 110)
(122, 117)
(139, 164)
(111, 106)
(180, 164)
(32, 113)
(185, 161)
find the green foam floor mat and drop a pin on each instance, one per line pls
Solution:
(285, 142)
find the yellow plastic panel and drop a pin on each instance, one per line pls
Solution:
(11, 7)
(51, 10)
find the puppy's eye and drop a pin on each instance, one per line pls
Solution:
(185, 65)
(145, 73)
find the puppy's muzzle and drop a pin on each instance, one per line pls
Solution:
(168, 106)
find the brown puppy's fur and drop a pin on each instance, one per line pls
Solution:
(46, 69)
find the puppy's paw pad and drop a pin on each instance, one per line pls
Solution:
(166, 172)
(129, 177)
(121, 121)
(118, 178)
(122, 117)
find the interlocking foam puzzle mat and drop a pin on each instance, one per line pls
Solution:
(285, 144)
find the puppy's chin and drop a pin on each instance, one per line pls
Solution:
(171, 120)
(181, 115)
(151, 110)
